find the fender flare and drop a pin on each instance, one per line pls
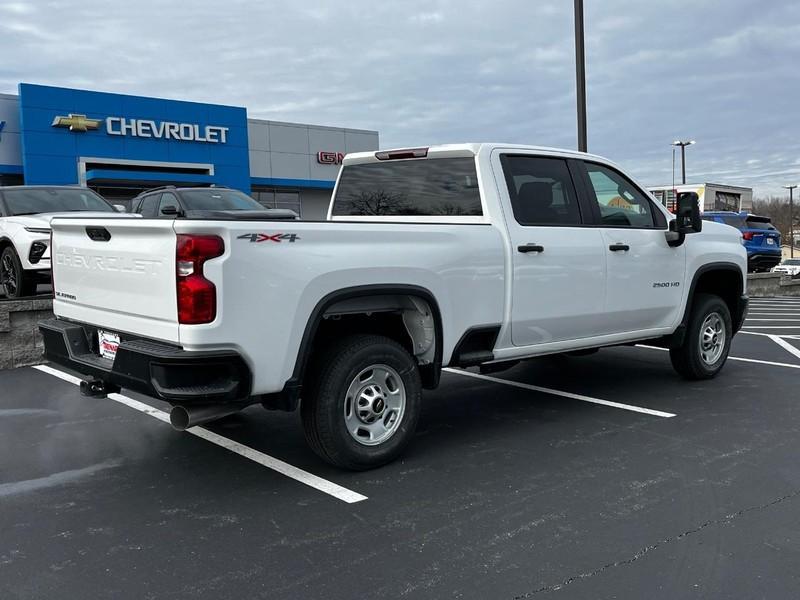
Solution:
(431, 373)
(715, 266)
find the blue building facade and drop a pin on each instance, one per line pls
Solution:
(121, 144)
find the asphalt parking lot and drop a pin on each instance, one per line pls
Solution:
(604, 476)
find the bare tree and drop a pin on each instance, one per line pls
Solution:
(777, 209)
(377, 202)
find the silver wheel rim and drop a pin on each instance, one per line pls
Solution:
(374, 405)
(8, 275)
(712, 338)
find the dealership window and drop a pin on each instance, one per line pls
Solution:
(10, 179)
(277, 198)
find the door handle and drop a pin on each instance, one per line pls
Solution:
(530, 248)
(619, 247)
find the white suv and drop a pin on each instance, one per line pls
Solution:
(25, 214)
(790, 266)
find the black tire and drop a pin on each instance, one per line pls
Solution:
(688, 360)
(323, 408)
(14, 282)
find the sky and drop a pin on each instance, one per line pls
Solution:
(721, 72)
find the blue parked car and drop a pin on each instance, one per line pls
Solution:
(759, 236)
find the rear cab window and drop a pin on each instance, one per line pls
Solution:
(429, 187)
(762, 223)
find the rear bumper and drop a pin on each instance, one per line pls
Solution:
(763, 260)
(156, 369)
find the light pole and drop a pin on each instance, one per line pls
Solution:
(683, 145)
(580, 76)
(791, 220)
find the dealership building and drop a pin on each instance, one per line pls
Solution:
(121, 145)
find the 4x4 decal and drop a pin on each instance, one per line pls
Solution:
(269, 237)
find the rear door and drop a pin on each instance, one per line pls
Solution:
(117, 273)
(558, 263)
(646, 276)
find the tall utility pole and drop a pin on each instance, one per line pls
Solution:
(791, 219)
(580, 75)
(683, 145)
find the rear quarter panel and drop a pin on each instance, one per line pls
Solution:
(267, 290)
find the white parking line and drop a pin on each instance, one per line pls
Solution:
(772, 327)
(779, 320)
(756, 333)
(785, 345)
(739, 358)
(771, 303)
(304, 477)
(544, 390)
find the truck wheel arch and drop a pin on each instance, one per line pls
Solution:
(722, 279)
(363, 300)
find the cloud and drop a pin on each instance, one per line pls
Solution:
(429, 71)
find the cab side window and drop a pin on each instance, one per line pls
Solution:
(621, 204)
(147, 206)
(541, 190)
(168, 200)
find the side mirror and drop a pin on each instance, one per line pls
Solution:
(120, 208)
(688, 213)
(170, 210)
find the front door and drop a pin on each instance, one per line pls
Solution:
(558, 284)
(646, 276)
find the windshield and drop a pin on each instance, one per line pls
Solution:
(32, 201)
(211, 199)
(792, 261)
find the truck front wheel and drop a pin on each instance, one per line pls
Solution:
(708, 339)
(363, 402)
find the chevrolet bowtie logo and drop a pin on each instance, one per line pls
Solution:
(77, 122)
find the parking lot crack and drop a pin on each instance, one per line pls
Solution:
(721, 521)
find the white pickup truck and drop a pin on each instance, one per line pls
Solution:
(460, 255)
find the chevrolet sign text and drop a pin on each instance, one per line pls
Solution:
(187, 132)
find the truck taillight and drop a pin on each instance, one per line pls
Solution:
(52, 263)
(197, 296)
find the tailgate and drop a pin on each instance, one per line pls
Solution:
(116, 273)
(771, 239)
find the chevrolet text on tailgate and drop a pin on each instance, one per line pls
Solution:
(459, 255)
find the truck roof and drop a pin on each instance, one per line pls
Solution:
(463, 149)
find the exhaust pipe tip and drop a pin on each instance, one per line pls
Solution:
(186, 417)
(179, 418)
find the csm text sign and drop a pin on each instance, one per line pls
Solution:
(146, 128)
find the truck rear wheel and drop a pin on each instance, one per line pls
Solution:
(363, 402)
(708, 339)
